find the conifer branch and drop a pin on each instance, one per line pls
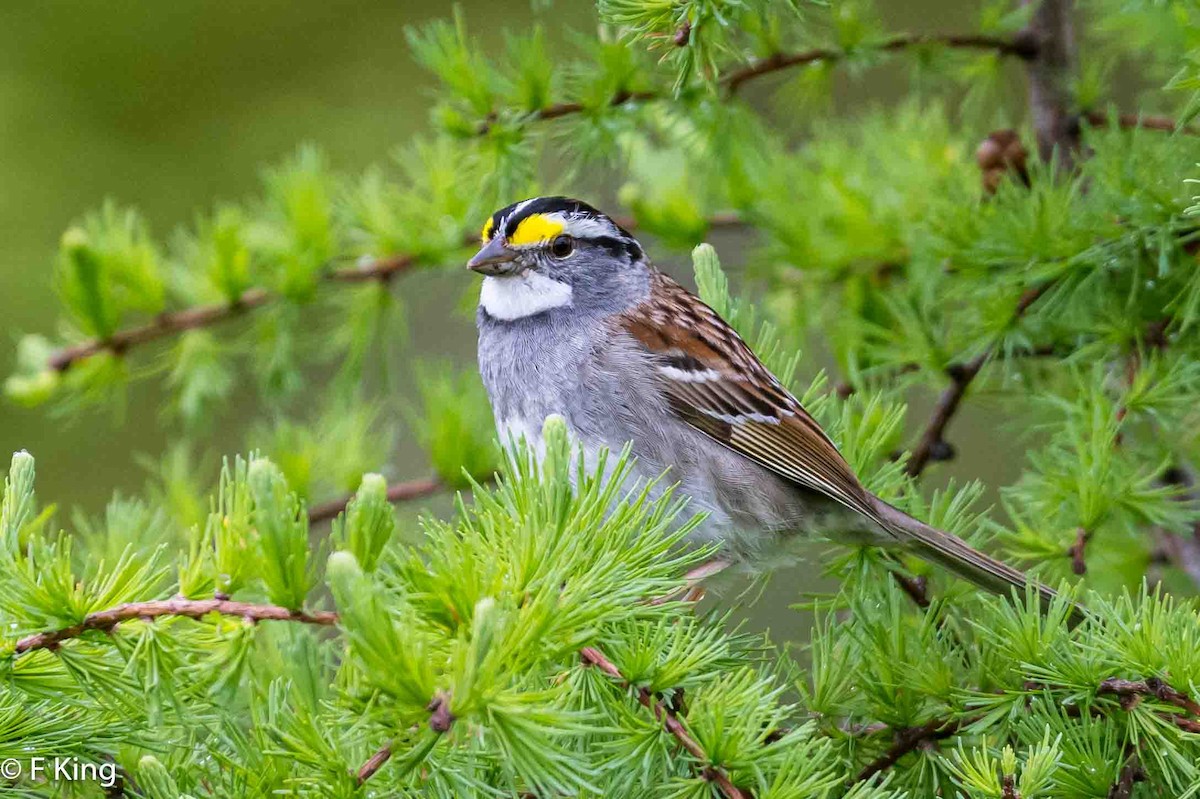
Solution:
(106, 620)
(399, 492)
(733, 81)
(908, 740)
(1152, 687)
(663, 714)
(172, 323)
(1144, 121)
(1022, 48)
(440, 721)
(932, 439)
(165, 324)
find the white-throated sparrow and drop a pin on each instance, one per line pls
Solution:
(573, 320)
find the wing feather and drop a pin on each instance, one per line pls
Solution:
(715, 383)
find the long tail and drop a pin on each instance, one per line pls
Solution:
(959, 557)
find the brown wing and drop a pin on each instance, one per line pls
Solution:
(716, 384)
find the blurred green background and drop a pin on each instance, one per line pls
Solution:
(171, 106)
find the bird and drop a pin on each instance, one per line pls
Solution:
(573, 320)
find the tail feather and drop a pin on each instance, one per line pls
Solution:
(959, 557)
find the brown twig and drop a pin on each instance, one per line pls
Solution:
(907, 740)
(917, 588)
(191, 608)
(164, 324)
(1020, 48)
(961, 375)
(931, 440)
(1144, 121)
(174, 322)
(558, 110)
(1008, 787)
(732, 81)
(670, 722)
(373, 763)
(1129, 692)
(1130, 773)
(399, 492)
(1153, 687)
(846, 388)
(440, 721)
(1077, 550)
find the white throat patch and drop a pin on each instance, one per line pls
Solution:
(523, 295)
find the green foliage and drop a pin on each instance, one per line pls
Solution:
(328, 454)
(516, 648)
(455, 425)
(201, 379)
(107, 268)
(368, 523)
(299, 237)
(462, 652)
(282, 532)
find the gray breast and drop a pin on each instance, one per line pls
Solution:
(606, 391)
(531, 368)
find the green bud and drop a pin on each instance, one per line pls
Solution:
(74, 238)
(373, 488)
(368, 523)
(22, 464)
(557, 459)
(19, 505)
(282, 535)
(32, 390)
(342, 572)
(705, 256)
(154, 779)
(554, 425)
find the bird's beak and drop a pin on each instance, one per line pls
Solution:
(496, 258)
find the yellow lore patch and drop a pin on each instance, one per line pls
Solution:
(487, 230)
(534, 229)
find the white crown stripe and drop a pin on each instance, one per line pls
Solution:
(586, 227)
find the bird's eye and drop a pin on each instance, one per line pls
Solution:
(562, 246)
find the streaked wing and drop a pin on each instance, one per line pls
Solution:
(716, 384)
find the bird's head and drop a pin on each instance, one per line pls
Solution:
(550, 252)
